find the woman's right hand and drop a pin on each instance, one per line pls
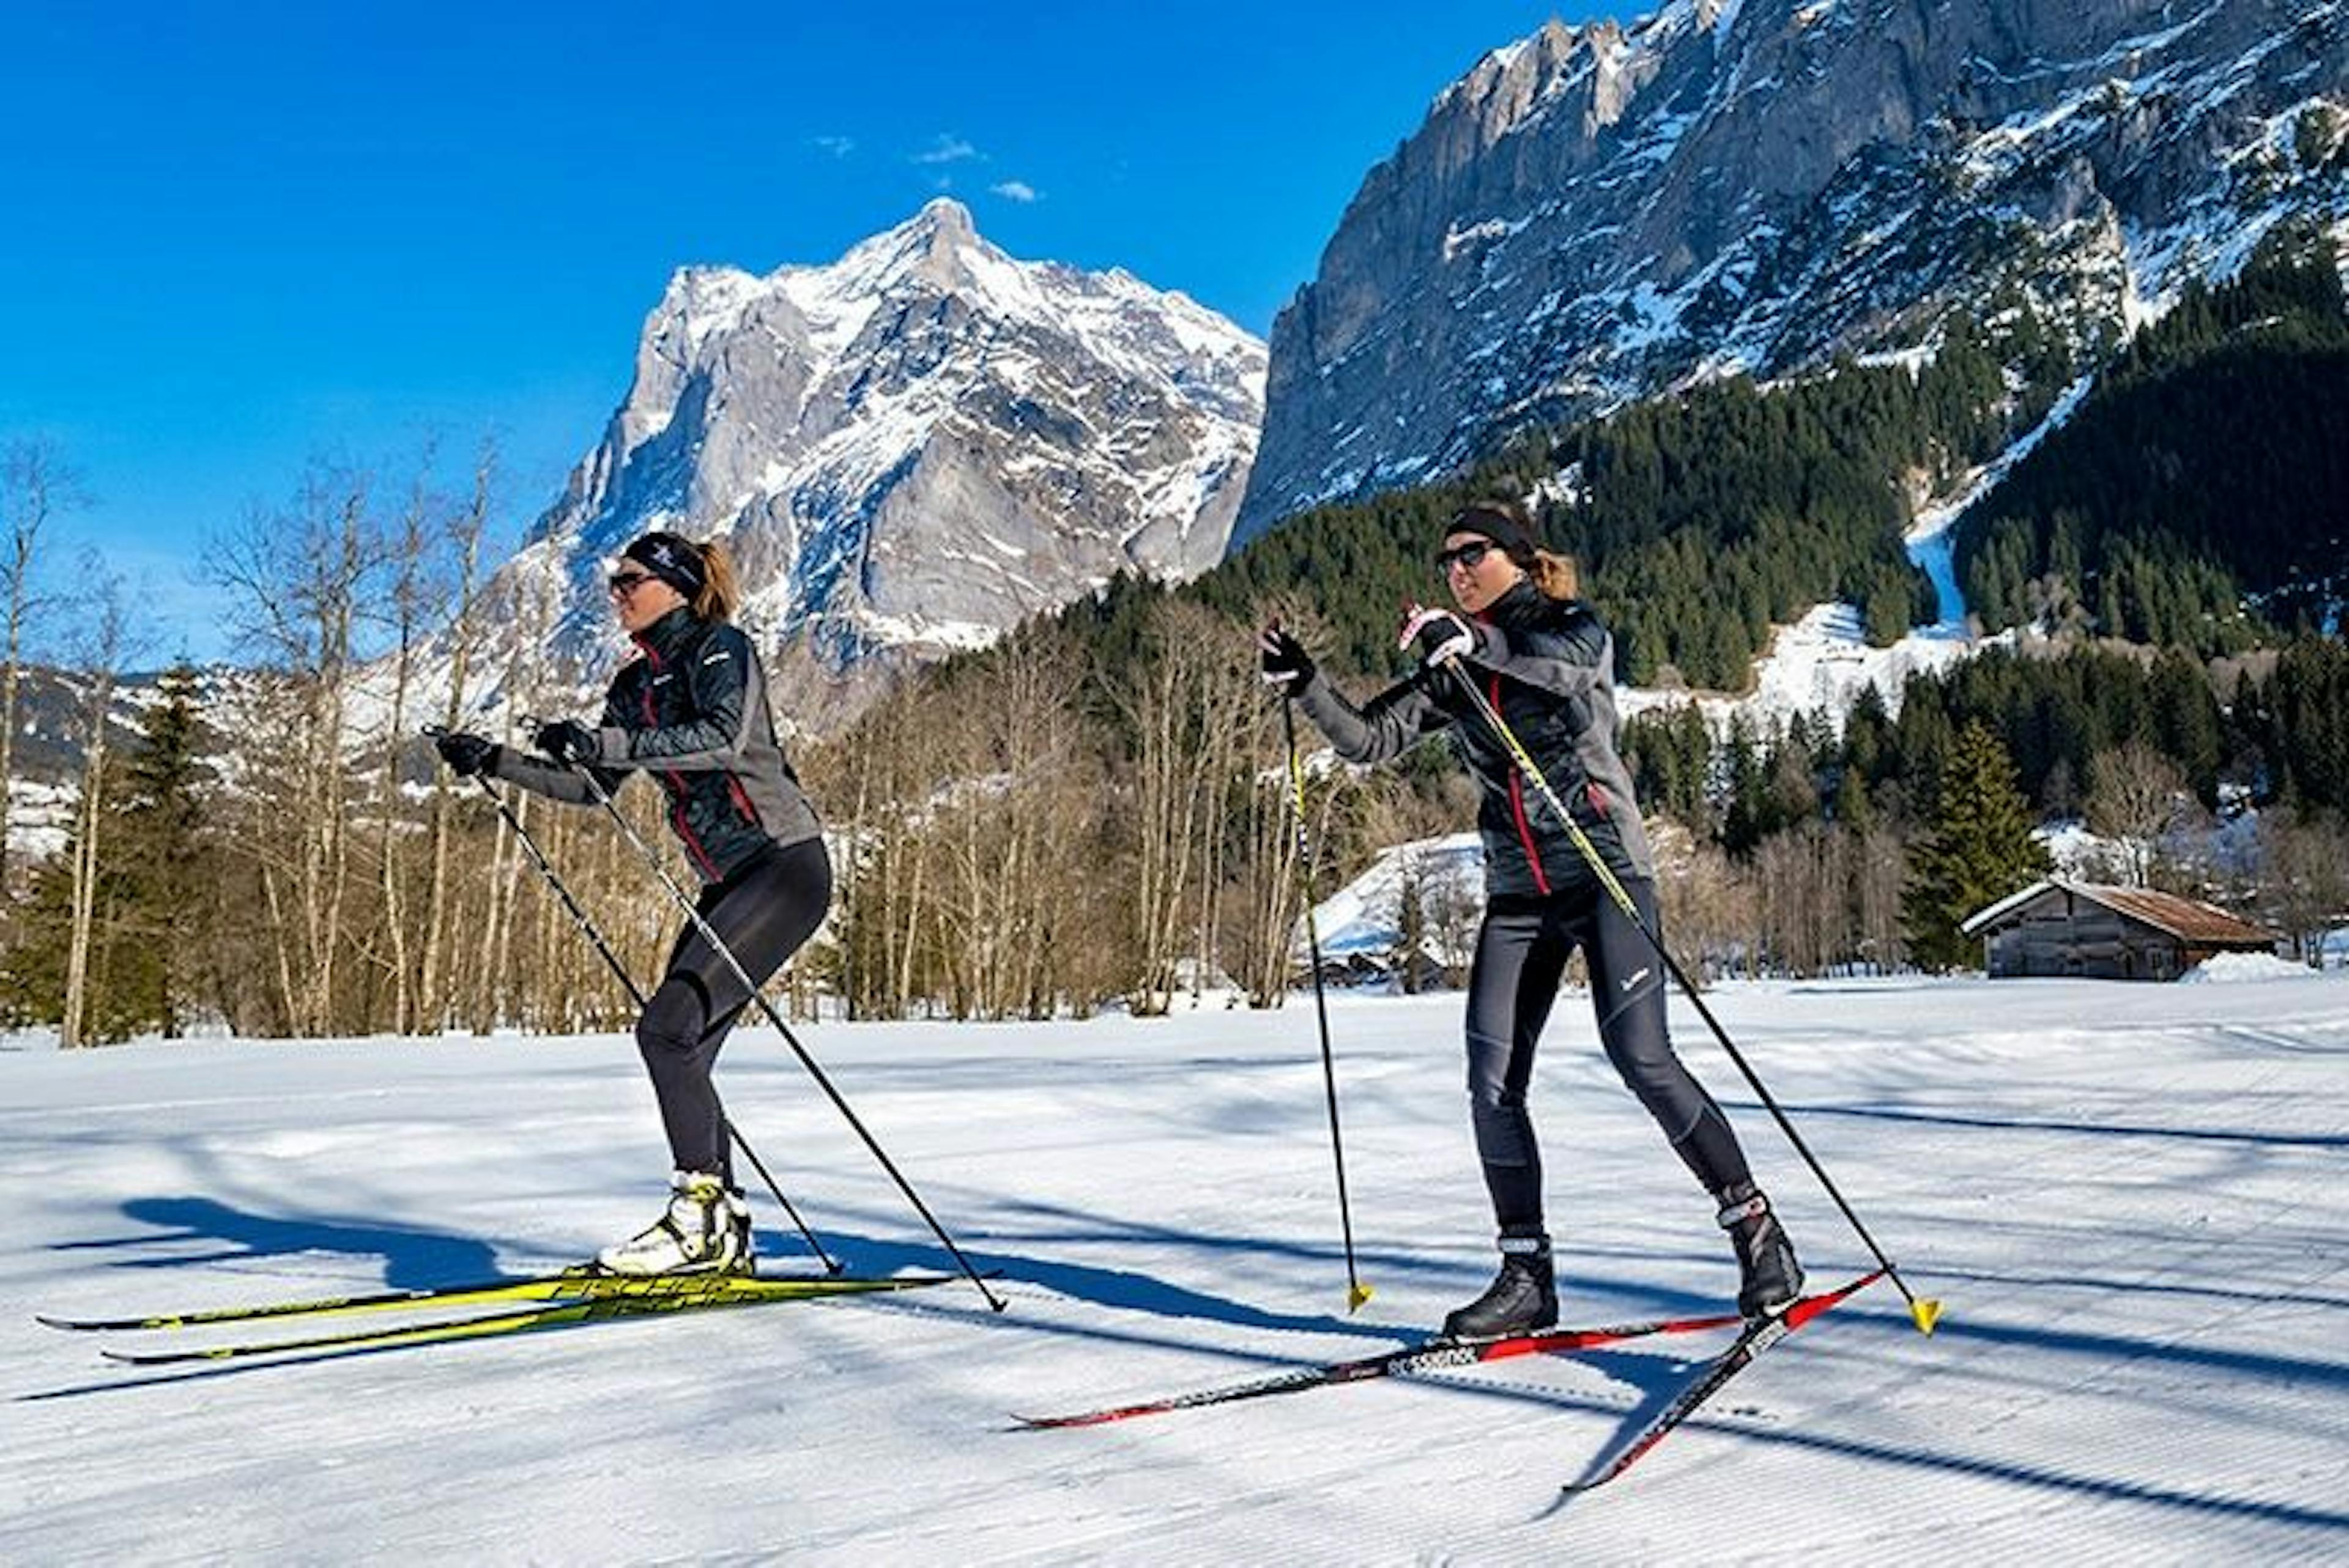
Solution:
(466, 755)
(1282, 660)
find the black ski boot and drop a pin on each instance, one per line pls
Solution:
(1773, 1279)
(1523, 1297)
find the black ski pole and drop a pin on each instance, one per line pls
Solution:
(619, 971)
(814, 1069)
(1357, 1293)
(1926, 1313)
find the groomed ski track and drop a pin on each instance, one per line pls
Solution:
(2128, 1197)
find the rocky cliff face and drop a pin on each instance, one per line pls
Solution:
(912, 449)
(1594, 214)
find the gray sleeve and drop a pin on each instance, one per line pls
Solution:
(1568, 662)
(1388, 725)
(553, 780)
(541, 777)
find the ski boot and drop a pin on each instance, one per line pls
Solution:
(1523, 1297)
(697, 1233)
(738, 1223)
(1772, 1279)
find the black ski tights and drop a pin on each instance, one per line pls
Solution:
(1521, 954)
(763, 912)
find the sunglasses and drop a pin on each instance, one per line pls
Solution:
(620, 585)
(1469, 555)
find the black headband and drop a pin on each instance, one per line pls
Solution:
(1516, 540)
(674, 560)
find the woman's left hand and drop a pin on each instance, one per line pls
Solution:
(1441, 636)
(569, 740)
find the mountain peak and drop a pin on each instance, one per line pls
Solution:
(936, 245)
(921, 443)
(948, 221)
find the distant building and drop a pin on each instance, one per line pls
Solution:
(2059, 928)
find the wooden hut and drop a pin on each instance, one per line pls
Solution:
(2058, 928)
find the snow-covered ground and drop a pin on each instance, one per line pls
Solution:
(2128, 1197)
(39, 816)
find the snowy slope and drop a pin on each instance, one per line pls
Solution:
(1364, 918)
(2129, 1198)
(1822, 662)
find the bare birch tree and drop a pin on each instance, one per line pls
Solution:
(461, 545)
(103, 645)
(2303, 877)
(1879, 867)
(297, 577)
(1170, 703)
(34, 485)
(1009, 738)
(2136, 795)
(409, 597)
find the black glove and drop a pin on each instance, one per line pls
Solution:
(569, 740)
(1441, 635)
(1286, 666)
(468, 756)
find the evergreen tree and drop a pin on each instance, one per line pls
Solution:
(146, 901)
(1670, 753)
(1855, 809)
(2189, 500)
(160, 822)
(1977, 850)
(1746, 811)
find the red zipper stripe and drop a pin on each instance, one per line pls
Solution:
(1517, 809)
(676, 793)
(742, 799)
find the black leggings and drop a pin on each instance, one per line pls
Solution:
(762, 912)
(1521, 954)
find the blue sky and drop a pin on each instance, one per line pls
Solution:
(243, 236)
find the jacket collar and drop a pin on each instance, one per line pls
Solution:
(663, 638)
(1522, 603)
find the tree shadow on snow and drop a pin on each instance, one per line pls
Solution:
(412, 1258)
(1965, 1123)
(1123, 1289)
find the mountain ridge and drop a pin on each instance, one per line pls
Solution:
(1593, 214)
(911, 447)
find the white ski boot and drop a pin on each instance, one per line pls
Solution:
(700, 1232)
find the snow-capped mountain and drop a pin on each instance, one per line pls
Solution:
(912, 449)
(1595, 213)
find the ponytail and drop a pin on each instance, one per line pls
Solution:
(720, 594)
(1557, 577)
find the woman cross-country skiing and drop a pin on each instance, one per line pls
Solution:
(692, 712)
(1544, 661)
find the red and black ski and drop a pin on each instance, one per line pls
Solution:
(1759, 1337)
(1431, 1356)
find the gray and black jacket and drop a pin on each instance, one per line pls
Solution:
(1547, 667)
(692, 712)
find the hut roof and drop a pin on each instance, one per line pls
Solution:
(2188, 920)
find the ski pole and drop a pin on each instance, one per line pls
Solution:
(1926, 1313)
(814, 1069)
(1357, 1293)
(619, 971)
